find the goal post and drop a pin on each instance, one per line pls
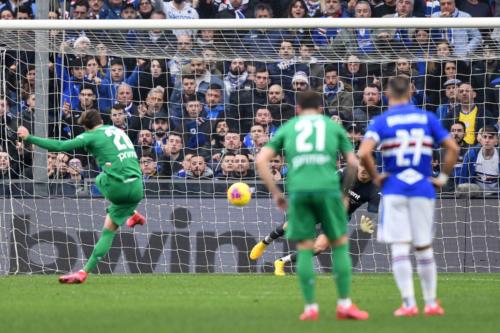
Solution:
(241, 77)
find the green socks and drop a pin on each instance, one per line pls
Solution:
(342, 268)
(305, 272)
(101, 248)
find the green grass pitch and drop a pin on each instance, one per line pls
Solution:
(217, 303)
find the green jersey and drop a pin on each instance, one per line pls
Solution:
(110, 146)
(310, 144)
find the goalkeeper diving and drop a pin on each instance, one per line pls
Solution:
(120, 181)
(362, 191)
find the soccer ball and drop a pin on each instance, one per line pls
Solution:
(239, 194)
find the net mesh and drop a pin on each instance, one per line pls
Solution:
(222, 95)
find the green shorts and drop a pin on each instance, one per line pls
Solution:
(305, 210)
(124, 196)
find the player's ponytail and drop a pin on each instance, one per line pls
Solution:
(90, 119)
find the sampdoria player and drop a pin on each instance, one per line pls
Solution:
(310, 142)
(406, 136)
(120, 181)
(360, 192)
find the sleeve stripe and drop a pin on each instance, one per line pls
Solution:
(372, 135)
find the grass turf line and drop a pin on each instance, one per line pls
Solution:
(215, 303)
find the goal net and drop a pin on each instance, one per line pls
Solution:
(198, 100)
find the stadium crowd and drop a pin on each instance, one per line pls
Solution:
(197, 117)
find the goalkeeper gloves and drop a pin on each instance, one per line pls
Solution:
(366, 225)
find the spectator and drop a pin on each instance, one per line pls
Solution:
(332, 9)
(457, 131)
(263, 42)
(93, 71)
(355, 133)
(485, 74)
(119, 119)
(61, 166)
(27, 115)
(146, 8)
(473, 115)
(161, 128)
(181, 95)
(199, 169)
(232, 144)
(475, 8)
(300, 82)
(171, 161)
(194, 126)
(213, 107)
(234, 9)
(146, 113)
(87, 98)
(242, 112)
(80, 10)
(281, 110)
(180, 10)
(149, 166)
(481, 165)
(277, 167)
(51, 164)
(451, 93)
(6, 14)
(186, 165)
(111, 10)
(153, 39)
(24, 12)
(181, 57)
(129, 11)
(255, 131)
(7, 125)
(75, 170)
(384, 8)
(282, 71)
(203, 77)
(315, 68)
(313, 8)
(263, 117)
(355, 41)
(219, 130)
(144, 142)
(354, 74)
(69, 117)
(402, 37)
(298, 9)
(464, 41)
(153, 73)
(241, 167)
(95, 7)
(125, 96)
(5, 169)
(371, 106)
(113, 79)
(226, 167)
(236, 79)
(338, 99)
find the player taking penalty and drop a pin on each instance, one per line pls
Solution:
(310, 142)
(120, 182)
(406, 136)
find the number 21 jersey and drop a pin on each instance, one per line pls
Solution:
(310, 144)
(406, 135)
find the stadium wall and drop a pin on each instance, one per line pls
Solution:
(183, 235)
